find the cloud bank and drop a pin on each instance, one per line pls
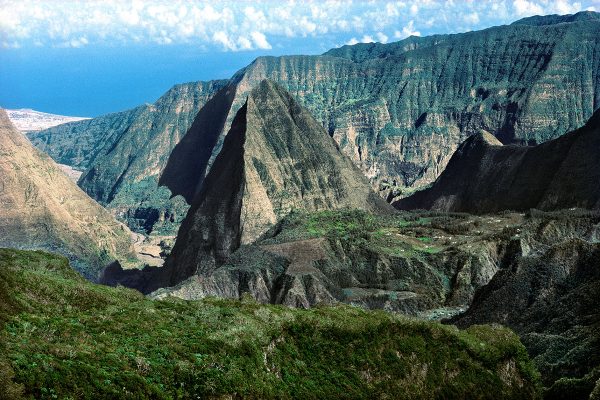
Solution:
(244, 25)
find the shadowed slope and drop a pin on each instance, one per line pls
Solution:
(484, 176)
(189, 160)
(275, 158)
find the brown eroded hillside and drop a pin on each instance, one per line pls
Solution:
(41, 208)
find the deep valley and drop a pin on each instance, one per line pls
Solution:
(408, 220)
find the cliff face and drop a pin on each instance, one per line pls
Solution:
(549, 293)
(536, 273)
(398, 110)
(484, 176)
(276, 158)
(43, 209)
(123, 154)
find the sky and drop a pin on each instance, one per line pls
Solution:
(92, 57)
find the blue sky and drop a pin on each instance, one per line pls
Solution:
(89, 58)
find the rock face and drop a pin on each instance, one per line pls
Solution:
(422, 265)
(549, 293)
(124, 153)
(276, 158)
(484, 176)
(536, 273)
(398, 110)
(41, 208)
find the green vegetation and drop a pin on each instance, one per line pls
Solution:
(575, 388)
(406, 234)
(63, 337)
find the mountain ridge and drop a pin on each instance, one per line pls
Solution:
(400, 117)
(484, 176)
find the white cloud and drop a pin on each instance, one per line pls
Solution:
(542, 7)
(564, 7)
(524, 7)
(472, 18)
(222, 38)
(260, 40)
(391, 9)
(240, 26)
(130, 17)
(244, 43)
(367, 39)
(408, 30)
(306, 26)
(382, 37)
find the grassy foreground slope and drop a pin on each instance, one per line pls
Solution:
(63, 337)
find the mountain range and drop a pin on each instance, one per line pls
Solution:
(276, 158)
(398, 110)
(484, 176)
(451, 178)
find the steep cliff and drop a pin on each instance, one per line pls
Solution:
(398, 110)
(536, 273)
(549, 293)
(484, 176)
(276, 158)
(123, 154)
(41, 208)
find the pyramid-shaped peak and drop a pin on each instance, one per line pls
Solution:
(483, 139)
(269, 91)
(266, 86)
(275, 158)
